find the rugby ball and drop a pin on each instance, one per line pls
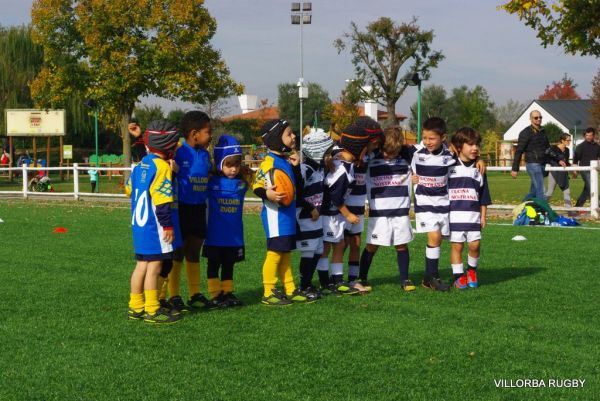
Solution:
(281, 182)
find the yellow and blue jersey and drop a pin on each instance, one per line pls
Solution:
(192, 177)
(278, 220)
(225, 207)
(150, 188)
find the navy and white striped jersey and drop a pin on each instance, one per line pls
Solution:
(312, 197)
(468, 191)
(358, 191)
(337, 186)
(388, 186)
(431, 193)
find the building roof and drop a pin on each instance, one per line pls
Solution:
(572, 116)
(569, 112)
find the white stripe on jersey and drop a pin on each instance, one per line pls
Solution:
(272, 219)
(165, 247)
(313, 194)
(340, 171)
(388, 183)
(431, 193)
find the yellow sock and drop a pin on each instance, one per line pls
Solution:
(175, 279)
(227, 286)
(272, 260)
(193, 277)
(136, 302)
(152, 304)
(285, 273)
(162, 287)
(214, 287)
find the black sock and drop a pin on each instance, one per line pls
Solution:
(403, 259)
(313, 267)
(305, 272)
(337, 278)
(212, 269)
(323, 278)
(365, 264)
(165, 267)
(227, 271)
(353, 270)
(431, 267)
(471, 267)
(458, 275)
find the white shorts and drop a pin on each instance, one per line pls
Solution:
(427, 222)
(465, 236)
(388, 231)
(310, 245)
(356, 228)
(333, 228)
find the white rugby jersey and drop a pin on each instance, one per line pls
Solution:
(431, 193)
(468, 191)
(388, 186)
(312, 197)
(336, 187)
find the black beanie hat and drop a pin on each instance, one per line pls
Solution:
(355, 139)
(161, 136)
(371, 127)
(271, 133)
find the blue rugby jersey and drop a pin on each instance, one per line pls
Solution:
(337, 186)
(468, 191)
(312, 195)
(192, 177)
(388, 186)
(225, 207)
(278, 220)
(431, 193)
(178, 238)
(149, 187)
(358, 191)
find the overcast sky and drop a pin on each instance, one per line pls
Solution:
(482, 46)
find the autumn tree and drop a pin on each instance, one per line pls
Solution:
(572, 24)
(384, 53)
(344, 111)
(118, 51)
(289, 104)
(596, 99)
(563, 89)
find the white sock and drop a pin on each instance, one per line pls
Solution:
(458, 268)
(323, 264)
(472, 261)
(337, 269)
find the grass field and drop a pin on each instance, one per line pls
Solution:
(65, 336)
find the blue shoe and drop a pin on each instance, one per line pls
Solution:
(472, 278)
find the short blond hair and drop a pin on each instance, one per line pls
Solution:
(394, 139)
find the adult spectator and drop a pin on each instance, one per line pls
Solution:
(585, 152)
(556, 153)
(533, 141)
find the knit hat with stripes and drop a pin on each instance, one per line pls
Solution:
(315, 144)
(161, 136)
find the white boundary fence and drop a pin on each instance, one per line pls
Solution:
(77, 193)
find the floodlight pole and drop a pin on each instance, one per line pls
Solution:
(299, 11)
(419, 112)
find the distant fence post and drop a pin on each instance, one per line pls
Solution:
(594, 188)
(24, 175)
(75, 181)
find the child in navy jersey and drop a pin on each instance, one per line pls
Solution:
(469, 197)
(388, 181)
(309, 235)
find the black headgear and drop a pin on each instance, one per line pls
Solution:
(161, 136)
(355, 139)
(271, 134)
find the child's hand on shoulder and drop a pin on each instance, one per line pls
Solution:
(294, 158)
(134, 129)
(174, 166)
(415, 179)
(314, 215)
(481, 166)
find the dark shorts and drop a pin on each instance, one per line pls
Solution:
(284, 243)
(154, 257)
(192, 220)
(224, 254)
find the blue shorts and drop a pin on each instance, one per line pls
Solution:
(153, 257)
(283, 243)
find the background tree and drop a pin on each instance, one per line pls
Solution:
(563, 89)
(573, 24)
(384, 53)
(175, 116)
(342, 113)
(553, 131)
(118, 51)
(20, 61)
(144, 114)
(596, 99)
(507, 114)
(289, 104)
(463, 108)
